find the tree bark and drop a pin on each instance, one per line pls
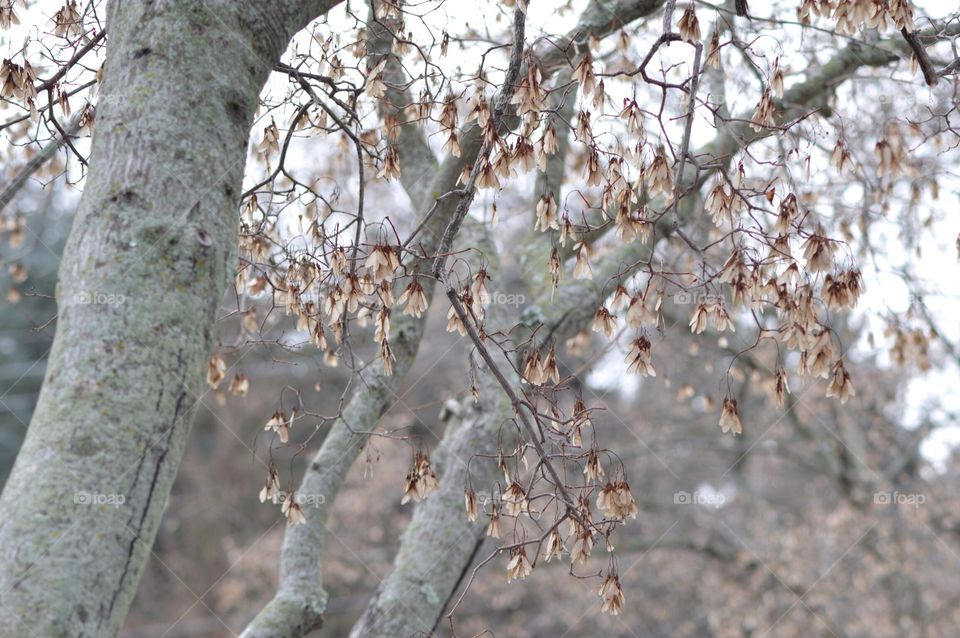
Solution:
(152, 249)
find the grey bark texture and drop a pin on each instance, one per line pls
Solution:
(152, 249)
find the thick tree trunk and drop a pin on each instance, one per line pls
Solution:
(149, 257)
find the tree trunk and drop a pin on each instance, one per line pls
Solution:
(152, 249)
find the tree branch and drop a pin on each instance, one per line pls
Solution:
(42, 157)
(923, 60)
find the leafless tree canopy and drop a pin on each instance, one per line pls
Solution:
(666, 270)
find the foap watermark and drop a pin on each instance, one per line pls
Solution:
(97, 298)
(907, 105)
(708, 498)
(690, 297)
(98, 498)
(485, 498)
(504, 299)
(305, 500)
(898, 498)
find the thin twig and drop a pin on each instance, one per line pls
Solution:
(499, 105)
(359, 146)
(926, 65)
(62, 71)
(433, 209)
(668, 17)
(514, 399)
(685, 144)
(48, 151)
(503, 97)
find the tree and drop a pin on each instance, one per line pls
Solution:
(657, 202)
